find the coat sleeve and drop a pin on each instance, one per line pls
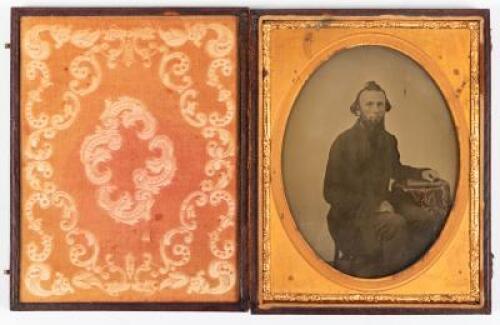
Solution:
(403, 172)
(340, 188)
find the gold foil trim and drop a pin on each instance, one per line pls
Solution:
(265, 260)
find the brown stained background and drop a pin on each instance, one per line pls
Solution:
(189, 148)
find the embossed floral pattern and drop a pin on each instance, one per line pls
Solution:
(80, 242)
(157, 173)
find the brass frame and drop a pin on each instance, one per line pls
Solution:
(471, 158)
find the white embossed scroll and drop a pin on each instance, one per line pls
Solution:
(129, 153)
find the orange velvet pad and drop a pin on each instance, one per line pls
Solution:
(129, 159)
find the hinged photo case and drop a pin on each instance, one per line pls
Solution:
(286, 161)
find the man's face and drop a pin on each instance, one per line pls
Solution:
(372, 106)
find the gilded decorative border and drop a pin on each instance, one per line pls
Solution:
(474, 296)
(475, 159)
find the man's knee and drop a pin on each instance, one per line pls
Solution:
(391, 227)
(394, 220)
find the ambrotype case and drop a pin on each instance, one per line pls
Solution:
(347, 149)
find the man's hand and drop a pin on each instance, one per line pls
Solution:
(385, 206)
(430, 175)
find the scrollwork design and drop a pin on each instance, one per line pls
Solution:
(37, 70)
(157, 173)
(39, 49)
(175, 65)
(188, 105)
(38, 252)
(41, 272)
(116, 45)
(85, 70)
(223, 44)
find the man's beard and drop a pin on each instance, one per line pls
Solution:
(373, 125)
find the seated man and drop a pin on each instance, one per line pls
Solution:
(378, 232)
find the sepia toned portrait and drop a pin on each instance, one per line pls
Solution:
(370, 161)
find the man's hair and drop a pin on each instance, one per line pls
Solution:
(370, 85)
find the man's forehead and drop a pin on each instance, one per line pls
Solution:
(372, 95)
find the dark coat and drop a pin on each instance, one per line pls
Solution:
(360, 167)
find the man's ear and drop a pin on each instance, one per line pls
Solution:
(355, 108)
(388, 105)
